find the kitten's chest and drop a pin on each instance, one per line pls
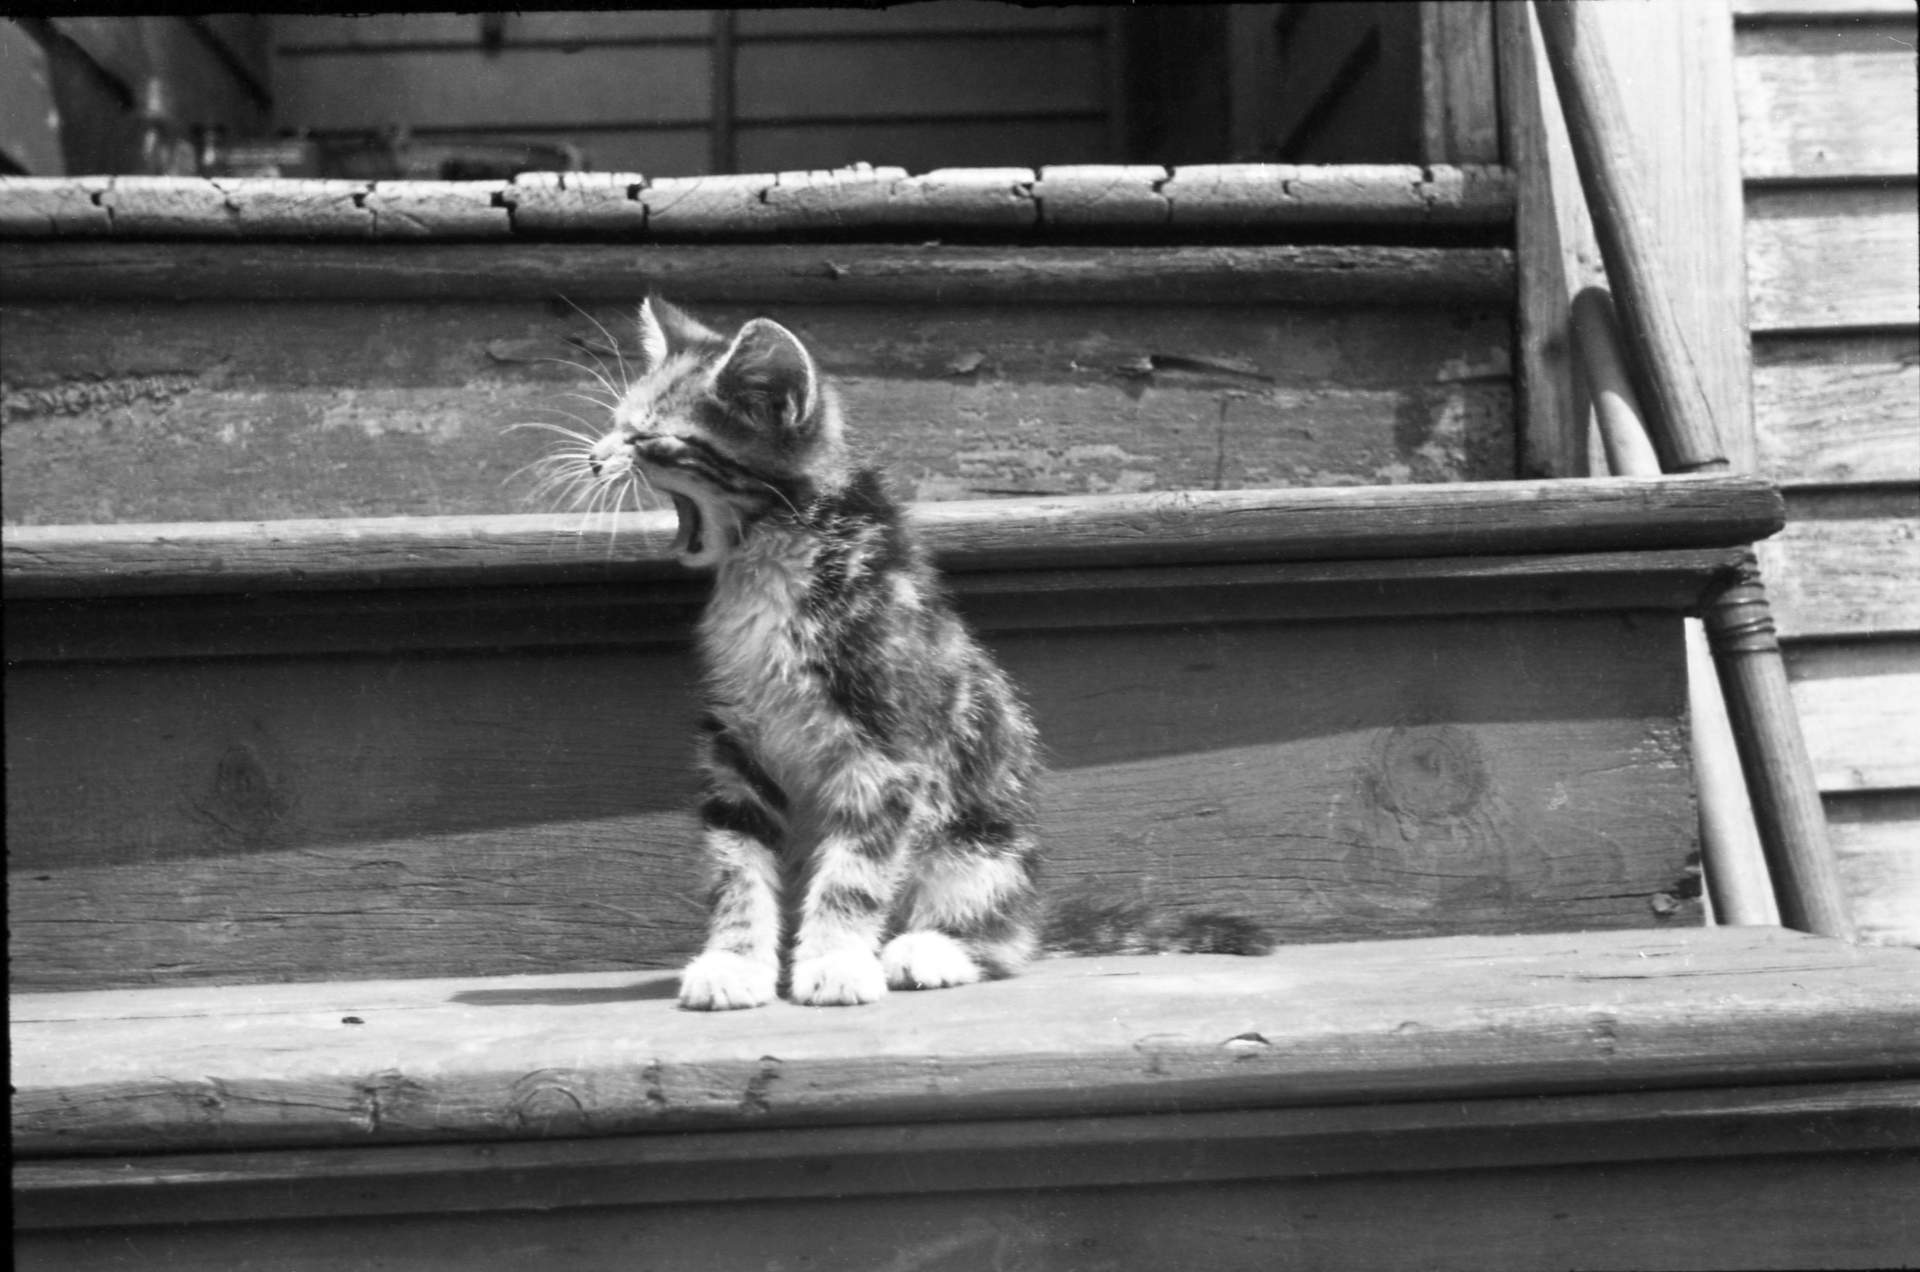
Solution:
(758, 640)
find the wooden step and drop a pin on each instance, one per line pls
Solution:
(456, 1113)
(382, 749)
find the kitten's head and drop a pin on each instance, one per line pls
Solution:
(730, 427)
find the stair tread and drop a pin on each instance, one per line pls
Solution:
(609, 1052)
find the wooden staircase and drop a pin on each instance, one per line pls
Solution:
(348, 849)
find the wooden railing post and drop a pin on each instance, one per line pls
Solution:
(1681, 421)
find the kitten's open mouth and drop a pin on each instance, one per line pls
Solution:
(709, 529)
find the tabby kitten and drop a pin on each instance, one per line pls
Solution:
(868, 770)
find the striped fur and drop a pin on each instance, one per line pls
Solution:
(868, 770)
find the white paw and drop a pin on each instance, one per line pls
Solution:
(927, 960)
(841, 978)
(720, 980)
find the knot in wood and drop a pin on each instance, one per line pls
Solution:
(1429, 772)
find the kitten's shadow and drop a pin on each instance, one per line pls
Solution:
(653, 989)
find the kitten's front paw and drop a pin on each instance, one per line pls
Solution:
(842, 978)
(927, 960)
(720, 980)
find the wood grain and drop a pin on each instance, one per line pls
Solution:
(1355, 522)
(1860, 707)
(1837, 410)
(393, 814)
(1664, 202)
(1705, 1127)
(1807, 1211)
(1833, 257)
(1847, 576)
(1877, 837)
(1460, 122)
(124, 413)
(1829, 101)
(756, 274)
(1313, 1024)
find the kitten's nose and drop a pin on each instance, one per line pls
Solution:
(593, 466)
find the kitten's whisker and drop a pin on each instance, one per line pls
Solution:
(613, 344)
(605, 383)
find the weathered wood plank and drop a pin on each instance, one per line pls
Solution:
(761, 274)
(1837, 410)
(128, 413)
(690, 1167)
(1313, 1024)
(1759, 11)
(620, 614)
(855, 199)
(1859, 704)
(1460, 122)
(1849, 572)
(303, 33)
(1827, 101)
(520, 87)
(1665, 204)
(301, 818)
(1877, 838)
(1172, 527)
(1043, 73)
(1806, 1211)
(1833, 256)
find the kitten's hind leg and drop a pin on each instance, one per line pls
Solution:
(969, 916)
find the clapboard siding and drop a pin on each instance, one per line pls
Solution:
(1874, 834)
(1833, 256)
(1826, 93)
(1845, 565)
(1837, 409)
(1827, 101)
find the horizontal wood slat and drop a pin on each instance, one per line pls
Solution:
(1859, 704)
(1828, 101)
(853, 200)
(1160, 528)
(1757, 11)
(413, 813)
(1833, 256)
(1847, 576)
(762, 274)
(1315, 1024)
(966, 1157)
(1041, 74)
(1876, 836)
(126, 413)
(1837, 410)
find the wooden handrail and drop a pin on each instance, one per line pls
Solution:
(1786, 801)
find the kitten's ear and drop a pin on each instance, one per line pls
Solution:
(769, 375)
(665, 331)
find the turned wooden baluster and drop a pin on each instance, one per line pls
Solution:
(1773, 753)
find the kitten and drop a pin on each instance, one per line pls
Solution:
(868, 771)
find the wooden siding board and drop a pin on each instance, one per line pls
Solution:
(1859, 704)
(1833, 256)
(935, 17)
(523, 86)
(1849, 573)
(1827, 102)
(1838, 410)
(1877, 838)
